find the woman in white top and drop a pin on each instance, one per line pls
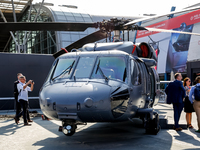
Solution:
(188, 106)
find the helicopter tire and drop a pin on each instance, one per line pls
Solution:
(153, 126)
(143, 120)
(71, 131)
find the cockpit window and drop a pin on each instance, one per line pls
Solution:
(90, 67)
(64, 68)
(84, 67)
(110, 68)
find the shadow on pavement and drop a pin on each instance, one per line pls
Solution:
(125, 135)
(9, 129)
(183, 137)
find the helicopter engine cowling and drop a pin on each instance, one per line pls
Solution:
(144, 50)
(122, 46)
(139, 49)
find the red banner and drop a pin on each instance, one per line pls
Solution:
(189, 18)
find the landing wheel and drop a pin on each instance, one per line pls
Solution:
(153, 126)
(69, 129)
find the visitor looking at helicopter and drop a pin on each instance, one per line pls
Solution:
(175, 94)
(18, 105)
(194, 98)
(188, 106)
(23, 89)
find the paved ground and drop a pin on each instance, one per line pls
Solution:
(44, 135)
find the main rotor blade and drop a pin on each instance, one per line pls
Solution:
(158, 16)
(96, 36)
(44, 26)
(171, 31)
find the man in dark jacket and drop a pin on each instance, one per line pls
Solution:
(18, 106)
(175, 95)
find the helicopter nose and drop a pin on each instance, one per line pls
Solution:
(77, 100)
(87, 101)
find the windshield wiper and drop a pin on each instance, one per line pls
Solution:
(125, 75)
(65, 71)
(99, 68)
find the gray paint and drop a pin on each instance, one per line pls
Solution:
(74, 93)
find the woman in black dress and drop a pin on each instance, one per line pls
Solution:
(188, 107)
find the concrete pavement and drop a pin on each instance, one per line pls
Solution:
(44, 135)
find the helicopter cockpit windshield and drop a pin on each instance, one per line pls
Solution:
(63, 68)
(110, 68)
(91, 67)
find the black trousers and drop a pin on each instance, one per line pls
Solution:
(25, 112)
(18, 107)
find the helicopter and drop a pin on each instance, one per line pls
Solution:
(101, 84)
(104, 82)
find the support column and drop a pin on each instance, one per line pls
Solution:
(29, 15)
(15, 20)
(2, 15)
(24, 42)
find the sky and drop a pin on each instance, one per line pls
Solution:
(125, 7)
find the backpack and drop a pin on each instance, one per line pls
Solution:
(197, 93)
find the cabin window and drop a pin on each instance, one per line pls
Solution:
(111, 68)
(135, 73)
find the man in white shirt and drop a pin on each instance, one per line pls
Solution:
(23, 89)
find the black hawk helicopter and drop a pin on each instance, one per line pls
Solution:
(104, 82)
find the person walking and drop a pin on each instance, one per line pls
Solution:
(188, 106)
(23, 89)
(194, 98)
(18, 106)
(175, 94)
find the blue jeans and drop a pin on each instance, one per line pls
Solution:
(178, 107)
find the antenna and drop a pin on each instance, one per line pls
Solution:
(95, 45)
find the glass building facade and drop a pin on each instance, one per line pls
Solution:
(48, 42)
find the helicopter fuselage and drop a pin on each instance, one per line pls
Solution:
(98, 87)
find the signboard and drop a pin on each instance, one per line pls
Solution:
(174, 49)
